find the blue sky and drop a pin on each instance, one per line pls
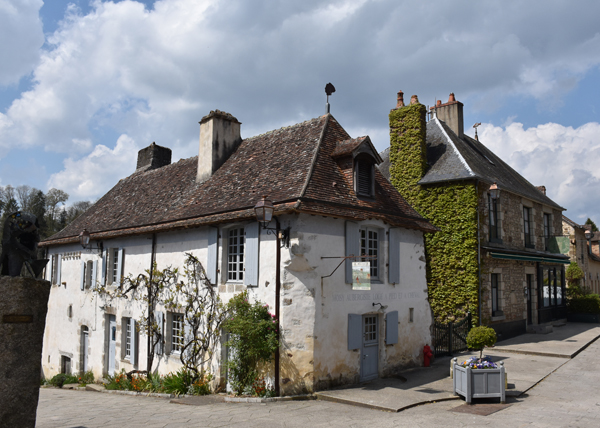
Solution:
(85, 84)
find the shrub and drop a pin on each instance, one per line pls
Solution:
(201, 386)
(178, 383)
(118, 381)
(62, 378)
(587, 304)
(85, 378)
(253, 340)
(480, 337)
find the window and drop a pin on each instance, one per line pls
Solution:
(176, 333)
(128, 340)
(128, 336)
(114, 265)
(527, 227)
(369, 246)
(65, 364)
(553, 288)
(88, 273)
(364, 176)
(495, 279)
(494, 229)
(55, 273)
(235, 254)
(547, 223)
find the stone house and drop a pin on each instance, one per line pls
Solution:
(333, 206)
(494, 255)
(585, 254)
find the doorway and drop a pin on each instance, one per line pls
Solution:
(84, 349)
(112, 344)
(370, 348)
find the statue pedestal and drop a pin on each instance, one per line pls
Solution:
(23, 307)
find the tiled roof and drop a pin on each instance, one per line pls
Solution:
(293, 166)
(451, 158)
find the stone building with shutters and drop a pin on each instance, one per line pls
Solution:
(496, 255)
(584, 252)
(329, 195)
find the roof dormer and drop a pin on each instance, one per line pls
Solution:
(364, 159)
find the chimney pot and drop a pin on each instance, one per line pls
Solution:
(414, 100)
(451, 98)
(400, 102)
(438, 103)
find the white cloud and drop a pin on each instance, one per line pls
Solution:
(22, 37)
(564, 159)
(89, 177)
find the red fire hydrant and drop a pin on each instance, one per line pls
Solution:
(427, 354)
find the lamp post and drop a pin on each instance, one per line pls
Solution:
(494, 191)
(264, 214)
(588, 236)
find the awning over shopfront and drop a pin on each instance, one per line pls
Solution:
(528, 258)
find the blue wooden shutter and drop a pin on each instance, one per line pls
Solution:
(158, 316)
(82, 282)
(211, 263)
(354, 331)
(391, 327)
(251, 248)
(59, 262)
(352, 247)
(94, 269)
(103, 273)
(132, 350)
(120, 265)
(394, 257)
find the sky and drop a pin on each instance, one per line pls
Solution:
(85, 84)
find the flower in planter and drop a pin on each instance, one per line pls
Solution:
(479, 363)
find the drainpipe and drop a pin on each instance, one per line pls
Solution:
(277, 305)
(478, 258)
(150, 356)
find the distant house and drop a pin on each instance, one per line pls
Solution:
(325, 188)
(585, 253)
(494, 255)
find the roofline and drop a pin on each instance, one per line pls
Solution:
(460, 156)
(315, 155)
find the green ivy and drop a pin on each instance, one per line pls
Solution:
(452, 268)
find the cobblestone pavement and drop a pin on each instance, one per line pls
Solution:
(569, 397)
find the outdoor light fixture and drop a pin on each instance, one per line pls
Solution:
(381, 306)
(494, 191)
(84, 240)
(264, 214)
(588, 236)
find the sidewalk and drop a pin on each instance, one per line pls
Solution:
(528, 359)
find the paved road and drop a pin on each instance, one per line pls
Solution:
(569, 397)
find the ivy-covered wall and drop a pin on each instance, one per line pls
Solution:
(452, 269)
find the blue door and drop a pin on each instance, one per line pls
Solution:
(370, 350)
(112, 342)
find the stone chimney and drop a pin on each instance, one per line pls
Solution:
(219, 138)
(451, 113)
(542, 189)
(153, 156)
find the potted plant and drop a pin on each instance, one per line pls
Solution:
(479, 377)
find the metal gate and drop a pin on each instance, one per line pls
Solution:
(452, 337)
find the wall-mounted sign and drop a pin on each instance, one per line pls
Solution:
(361, 275)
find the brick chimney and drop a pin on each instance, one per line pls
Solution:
(153, 156)
(451, 113)
(219, 138)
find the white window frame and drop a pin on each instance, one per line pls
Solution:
(128, 338)
(176, 332)
(115, 264)
(235, 255)
(368, 250)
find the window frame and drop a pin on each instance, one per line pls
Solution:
(547, 222)
(375, 271)
(364, 163)
(235, 269)
(496, 294)
(527, 226)
(176, 332)
(493, 224)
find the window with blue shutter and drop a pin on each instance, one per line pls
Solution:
(352, 247)
(82, 281)
(251, 253)
(211, 264)
(354, 331)
(103, 271)
(158, 316)
(391, 328)
(394, 257)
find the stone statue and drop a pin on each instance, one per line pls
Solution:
(19, 245)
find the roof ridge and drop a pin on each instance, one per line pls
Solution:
(282, 128)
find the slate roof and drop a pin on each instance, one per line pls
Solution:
(451, 158)
(292, 166)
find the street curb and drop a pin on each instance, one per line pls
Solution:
(382, 408)
(302, 397)
(549, 354)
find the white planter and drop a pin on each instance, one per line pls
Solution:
(479, 383)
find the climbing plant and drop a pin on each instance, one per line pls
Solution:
(452, 268)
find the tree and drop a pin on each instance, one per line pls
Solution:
(480, 337)
(573, 275)
(199, 301)
(76, 210)
(591, 223)
(54, 197)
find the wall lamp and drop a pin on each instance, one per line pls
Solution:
(84, 240)
(264, 214)
(494, 191)
(381, 306)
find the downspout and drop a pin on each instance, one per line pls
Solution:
(150, 355)
(478, 257)
(277, 298)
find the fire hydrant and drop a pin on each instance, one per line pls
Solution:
(427, 354)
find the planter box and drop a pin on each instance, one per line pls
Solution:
(479, 383)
